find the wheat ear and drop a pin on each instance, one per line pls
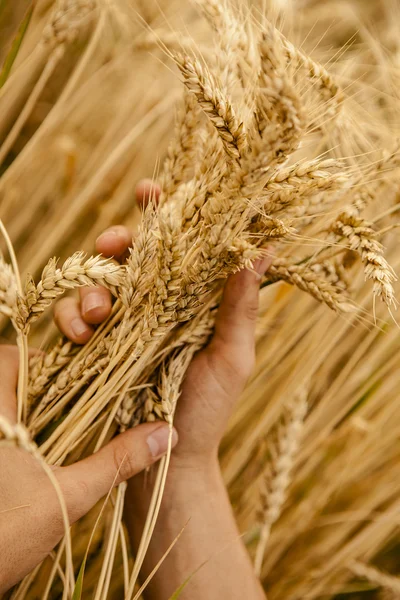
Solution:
(8, 289)
(363, 240)
(66, 21)
(43, 367)
(216, 105)
(298, 183)
(77, 271)
(311, 282)
(232, 40)
(283, 454)
(329, 87)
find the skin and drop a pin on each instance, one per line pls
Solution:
(30, 516)
(195, 496)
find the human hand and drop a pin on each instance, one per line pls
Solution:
(31, 522)
(76, 316)
(217, 375)
(194, 490)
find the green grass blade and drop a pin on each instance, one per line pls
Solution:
(180, 589)
(77, 594)
(15, 46)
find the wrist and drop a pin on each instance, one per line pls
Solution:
(201, 467)
(185, 479)
(191, 478)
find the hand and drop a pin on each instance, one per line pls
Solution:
(75, 317)
(194, 492)
(30, 516)
(217, 375)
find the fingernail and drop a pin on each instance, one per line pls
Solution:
(92, 302)
(262, 264)
(158, 441)
(79, 327)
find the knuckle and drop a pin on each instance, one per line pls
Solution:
(251, 312)
(59, 308)
(82, 488)
(75, 491)
(124, 463)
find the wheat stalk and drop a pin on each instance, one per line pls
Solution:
(376, 576)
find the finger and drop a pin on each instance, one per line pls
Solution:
(87, 481)
(147, 190)
(114, 241)
(237, 314)
(68, 318)
(96, 304)
(231, 352)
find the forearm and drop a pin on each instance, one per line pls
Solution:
(196, 500)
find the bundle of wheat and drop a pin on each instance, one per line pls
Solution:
(278, 168)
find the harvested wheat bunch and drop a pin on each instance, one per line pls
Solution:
(237, 179)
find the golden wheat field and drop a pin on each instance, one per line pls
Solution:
(272, 128)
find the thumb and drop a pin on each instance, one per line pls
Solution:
(237, 314)
(86, 482)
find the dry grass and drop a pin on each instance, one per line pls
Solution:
(270, 147)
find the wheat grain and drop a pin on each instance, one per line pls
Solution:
(77, 271)
(271, 228)
(362, 239)
(139, 265)
(44, 367)
(311, 282)
(299, 183)
(215, 104)
(183, 149)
